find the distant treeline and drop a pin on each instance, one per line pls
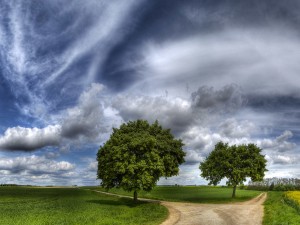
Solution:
(8, 185)
(275, 184)
(13, 185)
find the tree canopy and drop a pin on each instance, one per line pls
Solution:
(236, 163)
(137, 155)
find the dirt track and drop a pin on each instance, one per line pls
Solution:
(244, 213)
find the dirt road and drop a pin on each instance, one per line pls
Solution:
(244, 213)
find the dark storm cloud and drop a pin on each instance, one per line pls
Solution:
(228, 99)
(189, 19)
(85, 118)
(274, 101)
(282, 107)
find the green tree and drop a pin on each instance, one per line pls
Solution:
(137, 155)
(235, 163)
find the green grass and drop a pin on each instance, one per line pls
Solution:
(199, 194)
(64, 206)
(277, 212)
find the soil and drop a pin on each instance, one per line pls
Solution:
(244, 213)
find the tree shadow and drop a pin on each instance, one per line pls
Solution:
(120, 202)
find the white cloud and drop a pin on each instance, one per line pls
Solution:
(87, 121)
(279, 144)
(200, 139)
(233, 129)
(285, 136)
(34, 165)
(17, 55)
(28, 139)
(250, 58)
(93, 166)
(171, 113)
(282, 159)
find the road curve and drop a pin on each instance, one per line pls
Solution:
(244, 213)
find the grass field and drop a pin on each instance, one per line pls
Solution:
(277, 212)
(195, 194)
(64, 206)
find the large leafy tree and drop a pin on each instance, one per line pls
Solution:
(137, 155)
(235, 163)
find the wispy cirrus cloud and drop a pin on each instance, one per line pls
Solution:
(33, 62)
(100, 35)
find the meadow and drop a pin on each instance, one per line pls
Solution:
(278, 211)
(194, 194)
(66, 206)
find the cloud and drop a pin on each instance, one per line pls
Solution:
(282, 159)
(34, 165)
(232, 129)
(171, 113)
(29, 139)
(193, 157)
(93, 166)
(102, 34)
(279, 144)
(206, 104)
(284, 137)
(85, 119)
(228, 99)
(250, 58)
(201, 140)
(38, 50)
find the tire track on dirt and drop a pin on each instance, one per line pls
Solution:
(241, 213)
(244, 213)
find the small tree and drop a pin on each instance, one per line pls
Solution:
(137, 155)
(235, 163)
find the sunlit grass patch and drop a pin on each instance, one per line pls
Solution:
(195, 194)
(69, 206)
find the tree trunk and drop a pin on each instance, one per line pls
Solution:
(233, 192)
(135, 196)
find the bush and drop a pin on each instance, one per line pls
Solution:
(258, 188)
(282, 187)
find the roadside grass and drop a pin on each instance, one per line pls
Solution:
(64, 206)
(278, 212)
(194, 194)
(292, 198)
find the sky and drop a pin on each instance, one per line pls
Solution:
(210, 70)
